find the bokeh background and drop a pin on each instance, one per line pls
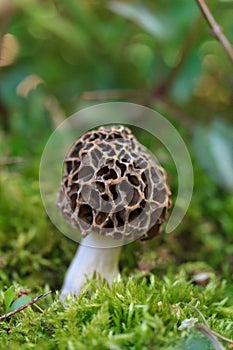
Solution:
(57, 57)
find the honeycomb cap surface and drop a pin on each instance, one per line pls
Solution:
(112, 186)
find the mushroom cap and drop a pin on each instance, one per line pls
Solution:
(113, 186)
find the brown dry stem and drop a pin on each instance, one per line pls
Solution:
(216, 29)
(33, 301)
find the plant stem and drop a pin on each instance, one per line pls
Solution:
(164, 87)
(216, 29)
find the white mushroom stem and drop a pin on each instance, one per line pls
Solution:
(92, 255)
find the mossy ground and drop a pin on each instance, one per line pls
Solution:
(143, 309)
(137, 313)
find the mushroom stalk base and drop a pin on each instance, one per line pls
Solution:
(88, 259)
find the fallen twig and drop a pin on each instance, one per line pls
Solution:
(33, 301)
(112, 94)
(216, 29)
(209, 334)
(205, 328)
(11, 160)
(146, 96)
(198, 311)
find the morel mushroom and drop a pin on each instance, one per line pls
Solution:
(112, 188)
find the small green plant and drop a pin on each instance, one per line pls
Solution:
(9, 296)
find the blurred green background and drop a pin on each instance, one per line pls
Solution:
(60, 56)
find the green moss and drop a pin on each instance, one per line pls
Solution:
(133, 314)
